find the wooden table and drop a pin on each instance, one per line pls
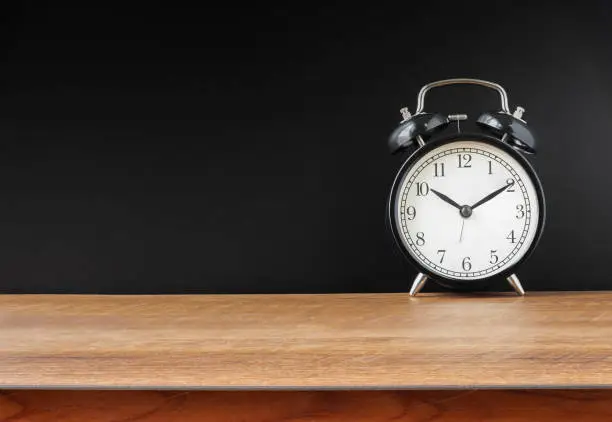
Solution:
(337, 357)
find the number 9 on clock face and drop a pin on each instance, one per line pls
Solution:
(466, 209)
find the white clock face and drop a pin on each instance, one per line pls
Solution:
(467, 210)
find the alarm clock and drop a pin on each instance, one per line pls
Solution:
(465, 207)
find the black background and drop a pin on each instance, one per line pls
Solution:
(242, 149)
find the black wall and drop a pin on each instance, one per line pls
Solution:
(243, 149)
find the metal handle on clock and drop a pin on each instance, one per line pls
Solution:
(458, 81)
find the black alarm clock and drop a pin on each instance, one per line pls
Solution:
(465, 207)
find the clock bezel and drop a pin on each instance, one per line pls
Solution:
(458, 137)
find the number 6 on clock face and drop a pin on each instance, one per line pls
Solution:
(466, 208)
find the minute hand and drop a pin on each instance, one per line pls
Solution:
(490, 196)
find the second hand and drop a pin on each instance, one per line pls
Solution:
(461, 232)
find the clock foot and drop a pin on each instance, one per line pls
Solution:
(418, 284)
(516, 285)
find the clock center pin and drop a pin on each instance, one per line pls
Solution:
(465, 211)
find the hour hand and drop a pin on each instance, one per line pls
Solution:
(446, 199)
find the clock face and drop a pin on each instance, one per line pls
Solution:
(467, 210)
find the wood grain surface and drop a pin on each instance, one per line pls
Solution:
(329, 406)
(334, 341)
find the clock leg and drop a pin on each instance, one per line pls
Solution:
(516, 285)
(418, 284)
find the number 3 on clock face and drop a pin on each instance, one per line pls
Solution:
(467, 209)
